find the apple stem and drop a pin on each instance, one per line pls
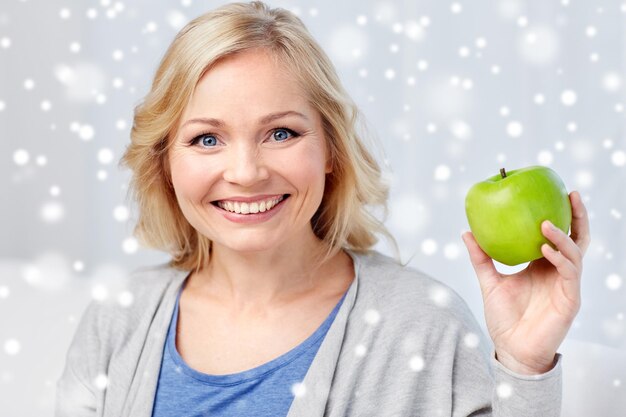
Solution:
(503, 172)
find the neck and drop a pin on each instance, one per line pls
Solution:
(260, 279)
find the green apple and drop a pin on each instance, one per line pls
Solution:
(505, 212)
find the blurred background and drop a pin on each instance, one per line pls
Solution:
(451, 90)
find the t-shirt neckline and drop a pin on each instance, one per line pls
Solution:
(250, 374)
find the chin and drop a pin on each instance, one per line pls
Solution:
(249, 245)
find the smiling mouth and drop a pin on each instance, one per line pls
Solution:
(255, 207)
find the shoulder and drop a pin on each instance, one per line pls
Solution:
(409, 293)
(152, 281)
(142, 287)
(116, 326)
(132, 302)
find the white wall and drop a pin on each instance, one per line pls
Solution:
(459, 79)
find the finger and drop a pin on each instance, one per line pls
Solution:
(563, 243)
(565, 267)
(580, 222)
(567, 270)
(481, 262)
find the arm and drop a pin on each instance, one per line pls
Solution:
(76, 394)
(529, 313)
(528, 395)
(483, 387)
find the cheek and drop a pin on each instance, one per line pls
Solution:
(188, 177)
(307, 167)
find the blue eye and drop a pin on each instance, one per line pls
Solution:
(207, 140)
(280, 136)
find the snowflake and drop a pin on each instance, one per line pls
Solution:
(442, 172)
(125, 298)
(176, 19)
(99, 292)
(372, 317)
(29, 84)
(618, 158)
(504, 390)
(568, 97)
(86, 132)
(460, 129)
(78, 266)
(4, 291)
(584, 179)
(105, 156)
(429, 247)
(613, 282)
(451, 251)
(471, 340)
(514, 129)
(117, 55)
(120, 124)
(439, 295)
(298, 389)
(52, 212)
(591, 31)
(130, 245)
(390, 74)
(65, 14)
(416, 363)
(101, 381)
(12, 347)
(539, 45)
(360, 350)
(539, 99)
(121, 213)
(21, 157)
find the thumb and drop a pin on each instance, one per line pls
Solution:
(481, 262)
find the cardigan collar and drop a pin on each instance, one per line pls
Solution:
(316, 382)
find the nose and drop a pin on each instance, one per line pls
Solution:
(245, 165)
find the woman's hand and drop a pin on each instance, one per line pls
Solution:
(529, 313)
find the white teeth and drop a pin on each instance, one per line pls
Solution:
(246, 208)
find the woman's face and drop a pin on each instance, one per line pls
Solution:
(249, 162)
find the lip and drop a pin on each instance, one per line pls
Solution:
(242, 199)
(253, 217)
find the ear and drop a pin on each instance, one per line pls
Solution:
(329, 160)
(329, 166)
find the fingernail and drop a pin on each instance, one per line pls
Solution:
(552, 227)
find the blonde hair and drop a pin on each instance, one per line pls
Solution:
(342, 220)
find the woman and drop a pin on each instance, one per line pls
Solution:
(248, 170)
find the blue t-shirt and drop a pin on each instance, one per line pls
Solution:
(262, 391)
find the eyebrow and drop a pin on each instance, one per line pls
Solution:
(262, 121)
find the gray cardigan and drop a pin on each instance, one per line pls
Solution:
(402, 344)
